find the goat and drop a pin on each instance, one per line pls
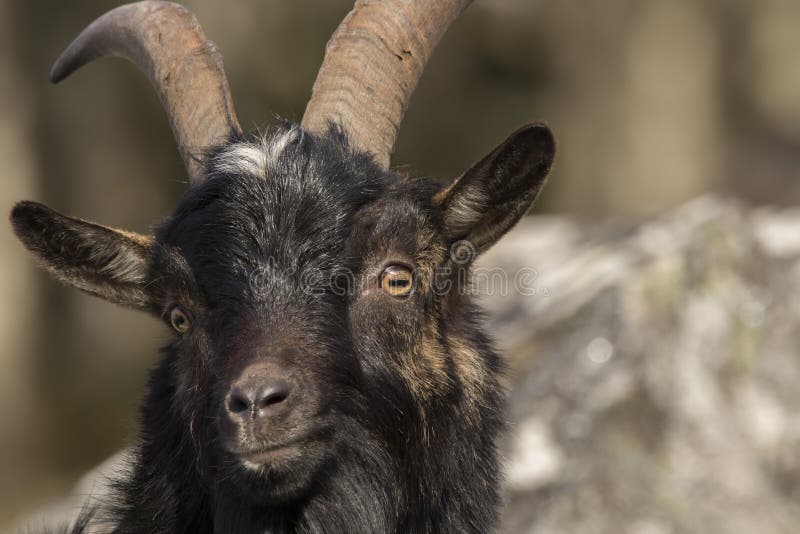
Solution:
(327, 372)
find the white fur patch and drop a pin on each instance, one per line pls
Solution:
(251, 466)
(254, 158)
(125, 266)
(469, 206)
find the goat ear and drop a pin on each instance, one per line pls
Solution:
(492, 196)
(102, 261)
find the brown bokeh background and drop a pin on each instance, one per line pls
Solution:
(653, 102)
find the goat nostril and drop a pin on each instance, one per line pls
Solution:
(273, 395)
(237, 403)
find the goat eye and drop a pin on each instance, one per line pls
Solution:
(179, 319)
(397, 280)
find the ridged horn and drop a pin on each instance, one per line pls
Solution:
(372, 65)
(165, 41)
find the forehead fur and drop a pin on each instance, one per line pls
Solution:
(282, 205)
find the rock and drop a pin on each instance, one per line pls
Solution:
(656, 373)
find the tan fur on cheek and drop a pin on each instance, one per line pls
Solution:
(470, 369)
(425, 371)
(424, 367)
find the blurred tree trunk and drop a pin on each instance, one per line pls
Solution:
(20, 314)
(762, 45)
(637, 103)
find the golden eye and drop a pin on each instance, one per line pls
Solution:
(397, 280)
(179, 320)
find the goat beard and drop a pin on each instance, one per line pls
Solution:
(344, 484)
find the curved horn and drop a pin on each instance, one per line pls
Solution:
(371, 67)
(166, 42)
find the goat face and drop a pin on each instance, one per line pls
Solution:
(310, 293)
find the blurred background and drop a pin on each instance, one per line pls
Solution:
(654, 103)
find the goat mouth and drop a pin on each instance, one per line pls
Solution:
(257, 459)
